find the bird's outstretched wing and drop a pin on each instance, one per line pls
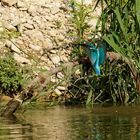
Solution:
(102, 53)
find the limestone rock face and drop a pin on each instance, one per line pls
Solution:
(9, 2)
(43, 28)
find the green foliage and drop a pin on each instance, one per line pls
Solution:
(119, 27)
(138, 12)
(121, 30)
(80, 17)
(112, 86)
(11, 79)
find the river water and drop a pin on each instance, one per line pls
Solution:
(73, 123)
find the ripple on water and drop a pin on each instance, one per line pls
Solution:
(73, 123)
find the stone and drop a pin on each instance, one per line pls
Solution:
(92, 23)
(10, 27)
(21, 4)
(60, 75)
(78, 72)
(44, 59)
(23, 9)
(58, 92)
(64, 58)
(55, 8)
(32, 9)
(49, 2)
(49, 63)
(30, 21)
(48, 18)
(35, 36)
(52, 33)
(60, 37)
(67, 41)
(12, 47)
(53, 80)
(9, 2)
(20, 42)
(15, 49)
(28, 26)
(35, 47)
(53, 51)
(48, 43)
(21, 59)
(21, 28)
(55, 59)
(38, 2)
(86, 2)
(61, 88)
(62, 52)
(22, 20)
(43, 24)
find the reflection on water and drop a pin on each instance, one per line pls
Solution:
(74, 123)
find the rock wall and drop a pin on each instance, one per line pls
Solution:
(43, 26)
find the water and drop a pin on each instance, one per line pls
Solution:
(73, 123)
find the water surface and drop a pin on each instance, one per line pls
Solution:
(73, 123)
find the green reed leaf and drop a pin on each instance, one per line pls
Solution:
(120, 20)
(138, 11)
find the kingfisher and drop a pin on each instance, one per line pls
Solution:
(96, 54)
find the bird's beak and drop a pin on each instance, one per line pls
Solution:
(92, 48)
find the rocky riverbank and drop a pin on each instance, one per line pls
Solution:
(42, 25)
(42, 31)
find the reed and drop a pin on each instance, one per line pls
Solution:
(119, 27)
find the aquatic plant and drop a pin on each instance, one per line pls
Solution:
(119, 83)
(120, 29)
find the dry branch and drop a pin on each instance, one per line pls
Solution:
(43, 79)
(40, 81)
(135, 74)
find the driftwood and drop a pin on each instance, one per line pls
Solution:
(43, 79)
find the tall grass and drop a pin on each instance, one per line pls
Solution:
(122, 28)
(80, 15)
(119, 27)
(120, 22)
(122, 31)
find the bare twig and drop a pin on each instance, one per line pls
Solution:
(135, 74)
(40, 81)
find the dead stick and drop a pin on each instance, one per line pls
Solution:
(135, 74)
(43, 79)
(40, 80)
